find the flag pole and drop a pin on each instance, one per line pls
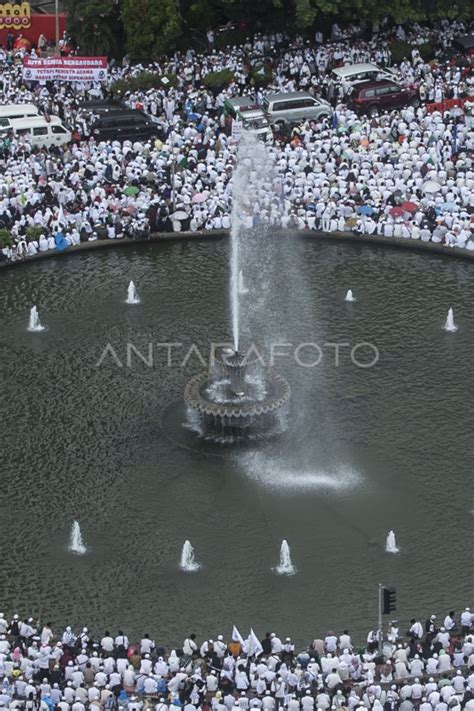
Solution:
(56, 25)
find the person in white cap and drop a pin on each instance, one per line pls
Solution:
(430, 625)
(46, 634)
(443, 637)
(345, 642)
(330, 643)
(220, 647)
(466, 621)
(146, 665)
(268, 702)
(147, 645)
(449, 621)
(277, 646)
(416, 629)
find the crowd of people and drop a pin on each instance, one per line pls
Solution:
(428, 668)
(406, 173)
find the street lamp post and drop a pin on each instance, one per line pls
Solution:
(379, 630)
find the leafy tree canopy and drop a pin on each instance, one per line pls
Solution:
(146, 29)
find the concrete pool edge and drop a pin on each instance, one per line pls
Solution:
(338, 237)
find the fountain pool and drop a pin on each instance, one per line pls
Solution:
(363, 446)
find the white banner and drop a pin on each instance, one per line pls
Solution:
(236, 129)
(65, 69)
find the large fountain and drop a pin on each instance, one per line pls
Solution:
(239, 397)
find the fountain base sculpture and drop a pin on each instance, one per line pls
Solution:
(237, 399)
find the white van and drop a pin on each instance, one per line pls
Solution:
(356, 73)
(41, 132)
(17, 111)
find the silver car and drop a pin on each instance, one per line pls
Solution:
(295, 107)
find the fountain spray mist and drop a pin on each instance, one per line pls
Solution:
(254, 173)
(76, 544)
(391, 543)
(132, 294)
(449, 325)
(286, 566)
(34, 324)
(188, 561)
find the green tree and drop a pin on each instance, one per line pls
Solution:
(305, 14)
(152, 27)
(201, 15)
(94, 25)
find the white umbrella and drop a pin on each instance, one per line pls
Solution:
(179, 215)
(431, 186)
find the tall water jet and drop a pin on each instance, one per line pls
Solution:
(132, 294)
(239, 397)
(285, 567)
(253, 176)
(34, 324)
(350, 296)
(242, 289)
(449, 325)
(76, 544)
(391, 543)
(188, 561)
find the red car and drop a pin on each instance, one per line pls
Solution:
(374, 97)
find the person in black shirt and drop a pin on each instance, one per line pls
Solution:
(267, 644)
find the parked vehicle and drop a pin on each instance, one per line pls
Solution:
(15, 111)
(295, 107)
(373, 97)
(104, 105)
(40, 131)
(245, 110)
(356, 73)
(459, 54)
(123, 125)
(465, 45)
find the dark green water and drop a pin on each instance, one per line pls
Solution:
(367, 450)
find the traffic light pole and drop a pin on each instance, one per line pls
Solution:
(379, 632)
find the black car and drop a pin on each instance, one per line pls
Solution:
(123, 125)
(95, 105)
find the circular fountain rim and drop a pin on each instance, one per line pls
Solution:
(194, 398)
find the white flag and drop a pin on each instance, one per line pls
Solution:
(254, 648)
(61, 217)
(237, 637)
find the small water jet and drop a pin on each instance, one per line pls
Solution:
(132, 294)
(34, 324)
(391, 543)
(76, 544)
(242, 289)
(285, 567)
(350, 296)
(188, 561)
(449, 325)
